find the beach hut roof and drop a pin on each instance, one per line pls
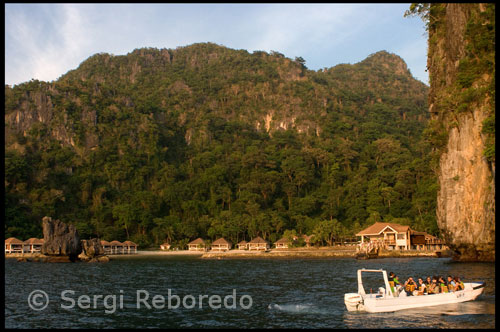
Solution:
(105, 243)
(258, 239)
(221, 241)
(116, 243)
(130, 243)
(165, 244)
(283, 240)
(243, 242)
(197, 241)
(13, 240)
(34, 240)
(379, 227)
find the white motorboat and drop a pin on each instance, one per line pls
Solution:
(387, 301)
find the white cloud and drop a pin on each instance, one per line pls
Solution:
(45, 47)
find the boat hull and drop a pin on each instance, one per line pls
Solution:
(375, 303)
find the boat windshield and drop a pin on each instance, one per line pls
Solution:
(372, 282)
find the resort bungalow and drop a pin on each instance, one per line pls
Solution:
(13, 245)
(129, 247)
(258, 243)
(221, 245)
(434, 243)
(33, 245)
(116, 247)
(282, 243)
(197, 245)
(106, 246)
(242, 245)
(165, 246)
(386, 235)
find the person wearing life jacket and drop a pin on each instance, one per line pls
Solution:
(410, 285)
(451, 284)
(422, 288)
(433, 287)
(393, 282)
(459, 285)
(442, 285)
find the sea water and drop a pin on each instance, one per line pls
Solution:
(190, 292)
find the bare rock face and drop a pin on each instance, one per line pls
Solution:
(466, 197)
(465, 208)
(60, 239)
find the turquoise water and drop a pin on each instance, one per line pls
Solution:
(134, 292)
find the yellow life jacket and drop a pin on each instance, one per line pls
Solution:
(444, 288)
(410, 288)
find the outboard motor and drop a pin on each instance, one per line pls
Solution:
(353, 302)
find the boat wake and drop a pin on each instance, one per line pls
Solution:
(307, 308)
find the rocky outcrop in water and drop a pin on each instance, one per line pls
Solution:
(60, 239)
(92, 251)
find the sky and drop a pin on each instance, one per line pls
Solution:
(44, 41)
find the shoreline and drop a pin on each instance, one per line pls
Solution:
(342, 252)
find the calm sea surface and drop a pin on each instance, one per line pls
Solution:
(269, 293)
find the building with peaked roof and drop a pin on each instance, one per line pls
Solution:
(242, 245)
(116, 247)
(387, 235)
(165, 246)
(197, 245)
(282, 243)
(258, 243)
(106, 246)
(221, 244)
(395, 236)
(129, 247)
(13, 245)
(33, 245)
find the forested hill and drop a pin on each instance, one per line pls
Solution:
(208, 141)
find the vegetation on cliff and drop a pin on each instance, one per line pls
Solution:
(208, 141)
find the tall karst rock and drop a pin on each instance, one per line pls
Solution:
(461, 62)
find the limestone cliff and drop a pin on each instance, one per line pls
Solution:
(461, 102)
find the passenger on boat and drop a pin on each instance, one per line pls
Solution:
(451, 284)
(459, 285)
(422, 288)
(442, 285)
(410, 286)
(433, 287)
(428, 281)
(393, 281)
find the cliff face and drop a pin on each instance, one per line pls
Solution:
(461, 100)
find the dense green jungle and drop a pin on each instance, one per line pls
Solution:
(207, 141)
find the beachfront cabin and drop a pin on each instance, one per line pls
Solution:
(386, 235)
(221, 244)
(165, 246)
(242, 245)
(417, 240)
(282, 243)
(129, 247)
(197, 245)
(434, 243)
(116, 247)
(33, 245)
(13, 245)
(106, 246)
(258, 243)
